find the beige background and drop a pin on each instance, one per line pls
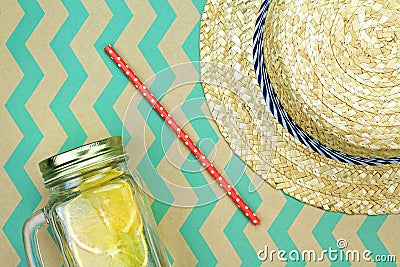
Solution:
(188, 245)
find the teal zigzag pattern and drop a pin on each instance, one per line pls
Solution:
(235, 227)
(191, 227)
(154, 154)
(76, 74)
(32, 136)
(104, 104)
(280, 226)
(147, 166)
(149, 48)
(191, 44)
(323, 234)
(190, 230)
(149, 44)
(368, 233)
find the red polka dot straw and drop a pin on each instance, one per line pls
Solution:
(182, 135)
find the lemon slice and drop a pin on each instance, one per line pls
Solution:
(105, 227)
(124, 254)
(101, 176)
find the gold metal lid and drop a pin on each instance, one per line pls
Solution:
(55, 169)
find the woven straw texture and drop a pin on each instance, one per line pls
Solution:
(336, 72)
(298, 170)
(246, 125)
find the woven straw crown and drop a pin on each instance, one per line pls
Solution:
(328, 75)
(336, 71)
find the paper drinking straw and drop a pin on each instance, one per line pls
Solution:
(182, 135)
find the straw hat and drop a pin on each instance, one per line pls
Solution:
(328, 73)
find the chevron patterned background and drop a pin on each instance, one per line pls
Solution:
(59, 90)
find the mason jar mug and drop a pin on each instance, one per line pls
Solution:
(97, 211)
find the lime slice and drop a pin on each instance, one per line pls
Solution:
(106, 228)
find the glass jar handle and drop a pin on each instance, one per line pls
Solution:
(31, 227)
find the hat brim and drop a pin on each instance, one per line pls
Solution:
(226, 36)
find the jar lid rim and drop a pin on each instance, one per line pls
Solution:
(77, 158)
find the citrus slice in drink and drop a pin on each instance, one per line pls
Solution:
(93, 179)
(106, 228)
